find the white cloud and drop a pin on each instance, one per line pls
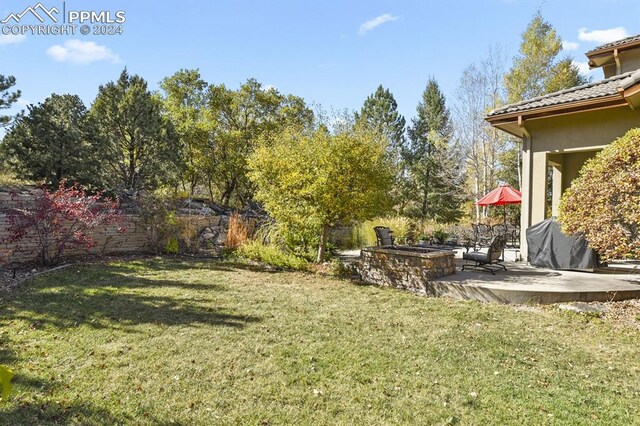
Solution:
(376, 22)
(12, 39)
(583, 67)
(602, 36)
(570, 45)
(82, 52)
(269, 87)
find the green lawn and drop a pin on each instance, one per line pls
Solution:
(170, 342)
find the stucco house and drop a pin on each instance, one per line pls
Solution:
(561, 130)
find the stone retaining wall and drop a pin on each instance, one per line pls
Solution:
(410, 268)
(209, 227)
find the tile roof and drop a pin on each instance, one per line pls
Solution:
(632, 39)
(598, 89)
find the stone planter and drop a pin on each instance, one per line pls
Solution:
(406, 267)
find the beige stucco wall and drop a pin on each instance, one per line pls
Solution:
(629, 61)
(571, 138)
(571, 165)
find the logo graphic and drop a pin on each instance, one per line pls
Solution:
(49, 21)
(34, 11)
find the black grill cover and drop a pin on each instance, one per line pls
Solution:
(548, 247)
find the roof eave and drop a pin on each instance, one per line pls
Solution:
(609, 50)
(551, 110)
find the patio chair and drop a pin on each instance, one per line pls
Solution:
(482, 234)
(515, 236)
(489, 261)
(384, 236)
(499, 229)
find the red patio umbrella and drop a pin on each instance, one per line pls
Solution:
(501, 196)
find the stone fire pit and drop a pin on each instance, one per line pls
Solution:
(406, 267)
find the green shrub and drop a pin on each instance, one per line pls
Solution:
(364, 235)
(301, 240)
(603, 203)
(158, 218)
(271, 255)
(339, 269)
(172, 246)
(5, 381)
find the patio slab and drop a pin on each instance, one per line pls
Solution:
(522, 283)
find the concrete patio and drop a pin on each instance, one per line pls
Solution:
(522, 283)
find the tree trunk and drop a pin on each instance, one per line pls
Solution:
(132, 168)
(323, 244)
(519, 164)
(425, 198)
(477, 197)
(210, 188)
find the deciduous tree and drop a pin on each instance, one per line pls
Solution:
(481, 90)
(537, 71)
(185, 103)
(316, 179)
(242, 118)
(61, 219)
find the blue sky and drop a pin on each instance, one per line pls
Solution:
(330, 52)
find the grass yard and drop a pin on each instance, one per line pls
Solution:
(174, 342)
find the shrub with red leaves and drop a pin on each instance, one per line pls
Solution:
(60, 219)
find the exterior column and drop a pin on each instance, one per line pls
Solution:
(557, 189)
(556, 162)
(539, 187)
(525, 207)
(534, 186)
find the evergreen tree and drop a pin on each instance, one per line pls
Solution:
(380, 113)
(433, 161)
(7, 98)
(142, 151)
(55, 140)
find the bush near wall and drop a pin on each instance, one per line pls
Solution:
(603, 203)
(364, 235)
(271, 254)
(199, 230)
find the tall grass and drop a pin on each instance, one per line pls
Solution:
(237, 232)
(364, 235)
(271, 255)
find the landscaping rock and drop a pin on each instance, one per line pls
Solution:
(583, 308)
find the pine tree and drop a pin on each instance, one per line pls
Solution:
(433, 161)
(143, 152)
(7, 98)
(380, 112)
(55, 140)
